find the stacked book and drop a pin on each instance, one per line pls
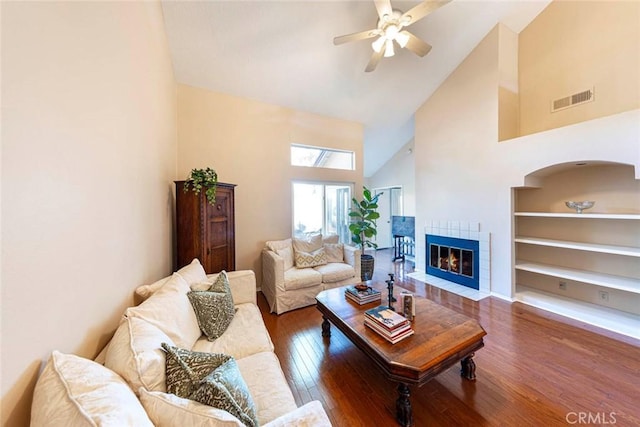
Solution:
(364, 296)
(392, 326)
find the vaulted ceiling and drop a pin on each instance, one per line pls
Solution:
(282, 52)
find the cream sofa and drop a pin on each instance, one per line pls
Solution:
(130, 389)
(287, 285)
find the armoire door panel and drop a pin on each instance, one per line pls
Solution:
(206, 231)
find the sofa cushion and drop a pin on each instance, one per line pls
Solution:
(64, 396)
(309, 414)
(334, 251)
(335, 272)
(267, 385)
(309, 243)
(310, 259)
(170, 310)
(145, 291)
(298, 278)
(275, 245)
(287, 256)
(246, 335)
(169, 410)
(135, 353)
(331, 238)
(210, 378)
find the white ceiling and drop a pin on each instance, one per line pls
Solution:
(282, 52)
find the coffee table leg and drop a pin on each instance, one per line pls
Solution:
(404, 415)
(326, 327)
(468, 368)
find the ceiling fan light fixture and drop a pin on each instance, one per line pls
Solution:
(388, 49)
(378, 44)
(402, 38)
(391, 31)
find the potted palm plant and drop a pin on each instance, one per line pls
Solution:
(363, 228)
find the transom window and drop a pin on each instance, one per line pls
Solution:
(320, 157)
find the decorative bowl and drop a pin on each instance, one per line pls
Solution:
(580, 206)
(362, 287)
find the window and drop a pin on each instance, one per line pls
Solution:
(318, 157)
(321, 208)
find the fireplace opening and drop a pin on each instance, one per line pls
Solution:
(453, 259)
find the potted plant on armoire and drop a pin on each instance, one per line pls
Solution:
(363, 228)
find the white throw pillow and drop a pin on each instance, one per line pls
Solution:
(193, 273)
(73, 391)
(287, 255)
(274, 245)
(309, 243)
(334, 251)
(168, 410)
(135, 353)
(331, 238)
(170, 310)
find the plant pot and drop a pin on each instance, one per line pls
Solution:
(366, 267)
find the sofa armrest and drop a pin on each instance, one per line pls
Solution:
(272, 270)
(352, 257)
(242, 284)
(310, 415)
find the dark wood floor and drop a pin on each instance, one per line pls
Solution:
(536, 369)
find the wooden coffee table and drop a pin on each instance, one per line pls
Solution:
(442, 338)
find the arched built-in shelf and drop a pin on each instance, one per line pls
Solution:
(556, 251)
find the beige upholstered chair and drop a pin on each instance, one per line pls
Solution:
(294, 271)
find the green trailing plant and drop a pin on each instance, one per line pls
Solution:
(364, 215)
(198, 178)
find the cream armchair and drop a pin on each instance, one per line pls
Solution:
(294, 271)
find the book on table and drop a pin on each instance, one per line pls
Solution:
(362, 296)
(387, 323)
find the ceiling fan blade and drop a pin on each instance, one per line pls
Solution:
(373, 62)
(362, 35)
(416, 45)
(421, 10)
(383, 7)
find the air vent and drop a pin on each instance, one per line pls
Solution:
(572, 100)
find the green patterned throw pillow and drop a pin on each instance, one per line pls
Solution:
(209, 378)
(311, 259)
(214, 307)
(221, 284)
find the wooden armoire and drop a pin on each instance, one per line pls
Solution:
(206, 231)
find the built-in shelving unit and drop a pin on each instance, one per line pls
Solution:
(582, 265)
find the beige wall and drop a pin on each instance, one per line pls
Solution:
(248, 144)
(573, 46)
(88, 157)
(399, 171)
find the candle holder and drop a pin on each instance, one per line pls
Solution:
(390, 289)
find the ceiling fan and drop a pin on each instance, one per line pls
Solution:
(390, 29)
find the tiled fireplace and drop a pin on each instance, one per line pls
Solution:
(457, 257)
